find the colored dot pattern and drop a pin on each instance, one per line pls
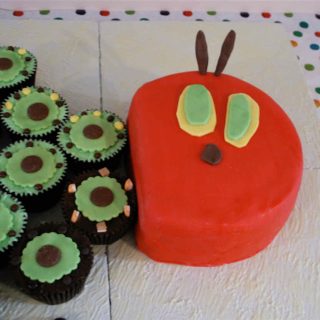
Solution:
(303, 28)
(304, 24)
(309, 66)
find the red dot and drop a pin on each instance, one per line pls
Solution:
(104, 13)
(317, 34)
(187, 13)
(266, 15)
(18, 13)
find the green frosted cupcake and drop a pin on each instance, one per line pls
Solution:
(52, 262)
(92, 139)
(101, 204)
(33, 171)
(13, 220)
(17, 70)
(34, 112)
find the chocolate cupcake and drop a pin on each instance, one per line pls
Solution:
(101, 204)
(93, 139)
(51, 263)
(34, 112)
(33, 171)
(17, 70)
(13, 220)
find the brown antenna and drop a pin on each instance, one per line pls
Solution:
(202, 52)
(225, 53)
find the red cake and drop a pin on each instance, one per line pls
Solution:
(204, 201)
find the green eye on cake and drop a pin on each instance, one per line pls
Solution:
(17, 70)
(33, 171)
(101, 204)
(13, 220)
(52, 262)
(34, 112)
(92, 138)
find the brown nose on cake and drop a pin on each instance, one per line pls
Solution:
(5, 64)
(211, 154)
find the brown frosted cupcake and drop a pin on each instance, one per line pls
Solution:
(51, 263)
(101, 204)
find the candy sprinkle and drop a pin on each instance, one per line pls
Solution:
(22, 51)
(8, 105)
(74, 118)
(118, 125)
(97, 113)
(26, 91)
(54, 96)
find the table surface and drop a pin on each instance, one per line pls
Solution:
(280, 282)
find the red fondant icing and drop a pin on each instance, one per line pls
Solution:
(196, 214)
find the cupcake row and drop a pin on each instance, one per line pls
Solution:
(52, 157)
(52, 261)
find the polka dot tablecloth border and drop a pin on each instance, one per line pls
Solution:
(303, 28)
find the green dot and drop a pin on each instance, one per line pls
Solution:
(144, 19)
(130, 12)
(298, 34)
(44, 12)
(211, 13)
(58, 18)
(317, 90)
(304, 24)
(309, 66)
(288, 14)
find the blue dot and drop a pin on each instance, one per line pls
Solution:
(304, 24)
(314, 46)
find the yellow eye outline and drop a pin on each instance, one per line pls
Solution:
(253, 126)
(195, 130)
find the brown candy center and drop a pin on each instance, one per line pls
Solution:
(5, 64)
(31, 164)
(92, 131)
(48, 256)
(38, 111)
(101, 196)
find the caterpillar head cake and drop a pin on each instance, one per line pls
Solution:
(217, 164)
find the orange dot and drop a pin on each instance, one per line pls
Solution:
(294, 43)
(266, 15)
(187, 13)
(18, 13)
(104, 13)
(317, 34)
(317, 103)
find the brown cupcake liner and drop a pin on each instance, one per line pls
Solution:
(67, 287)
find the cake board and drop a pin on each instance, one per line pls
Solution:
(280, 282)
